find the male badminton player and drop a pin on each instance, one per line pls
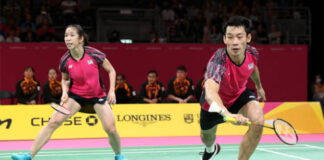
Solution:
(81, 66)
(225, 92)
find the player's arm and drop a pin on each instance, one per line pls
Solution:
(112, 78)
(255, 76)
(213, 99)
(216, 105)
(65, 86)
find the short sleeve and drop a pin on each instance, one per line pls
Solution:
(216, 67)
(253, 51)
(63, 62)
(96, 54)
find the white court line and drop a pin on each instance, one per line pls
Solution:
(151, 149)
(156, 148)
(283, 154)
(107, 152)
(311, 146)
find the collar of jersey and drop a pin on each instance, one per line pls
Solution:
(238, 65)
(84, 50)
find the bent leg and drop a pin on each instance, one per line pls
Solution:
(253, 111)
(107, 119)
(56, 120)
(208, 136)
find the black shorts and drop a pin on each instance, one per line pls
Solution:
(209, 119)
(87, 103)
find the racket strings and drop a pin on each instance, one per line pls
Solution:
(285, 131)
(61, 108)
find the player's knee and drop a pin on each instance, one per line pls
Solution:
(111, 129)
(259, 121)
(55, 123)
(207, 136)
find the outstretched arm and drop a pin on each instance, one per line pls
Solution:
(216, 105)
(65, 86)
(255, 76)
(213, 99)
(112, 77)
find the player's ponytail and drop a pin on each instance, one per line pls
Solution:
(81, 33)
(86, 39)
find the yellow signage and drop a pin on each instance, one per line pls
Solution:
(24, 122)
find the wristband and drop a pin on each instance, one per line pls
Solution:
(214, 107)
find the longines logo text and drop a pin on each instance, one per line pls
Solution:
(8, 121)
(143, 119)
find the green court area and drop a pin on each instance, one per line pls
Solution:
(301, 151)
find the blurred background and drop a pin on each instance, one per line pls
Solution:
(288, 23)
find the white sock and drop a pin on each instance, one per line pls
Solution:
(210, 149)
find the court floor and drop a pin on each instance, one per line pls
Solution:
(265, 151)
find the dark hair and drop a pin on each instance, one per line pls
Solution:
(29, 67)
(121, 75)
(152, 71)
(238, 21)
(182, 68)
(52, 69)
(204, 70)
(81, 33)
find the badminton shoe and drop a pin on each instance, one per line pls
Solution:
(211, 156)
(21, 156)
(120, 157)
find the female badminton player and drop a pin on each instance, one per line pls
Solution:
(82, 86)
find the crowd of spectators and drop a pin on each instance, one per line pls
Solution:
(180, 20)
(35, 21)
(180, 89)
(202, 21)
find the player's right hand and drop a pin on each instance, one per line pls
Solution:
(64, 97)
(241, 120)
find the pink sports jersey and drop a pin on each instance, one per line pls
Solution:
(84, 73)
(231, 77)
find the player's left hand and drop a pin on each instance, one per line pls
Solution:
(111, 97)
(261, 94)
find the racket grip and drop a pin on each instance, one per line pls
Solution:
(229, 119)
(233, 120)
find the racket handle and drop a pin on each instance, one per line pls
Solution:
(232, 120)
(229, 119)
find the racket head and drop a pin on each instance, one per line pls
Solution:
(285, 131)
(60, 108)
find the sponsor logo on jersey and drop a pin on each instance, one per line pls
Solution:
(251, 65)
(251, 96)
(101, 99)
